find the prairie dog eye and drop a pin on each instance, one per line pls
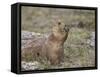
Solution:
(59, 23)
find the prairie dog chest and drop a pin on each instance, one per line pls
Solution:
(55, 46)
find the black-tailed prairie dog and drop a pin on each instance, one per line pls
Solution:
(50, 47)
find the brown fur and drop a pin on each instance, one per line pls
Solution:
(50, 47)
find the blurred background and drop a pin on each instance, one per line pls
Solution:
(39, 17)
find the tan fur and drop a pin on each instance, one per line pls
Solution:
(50, 47)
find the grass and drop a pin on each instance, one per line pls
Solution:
(77, 49)
(77, 53)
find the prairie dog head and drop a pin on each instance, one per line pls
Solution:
(60, 29)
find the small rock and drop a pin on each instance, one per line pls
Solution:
(27, 37)
(30, 65)
(91, 41)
